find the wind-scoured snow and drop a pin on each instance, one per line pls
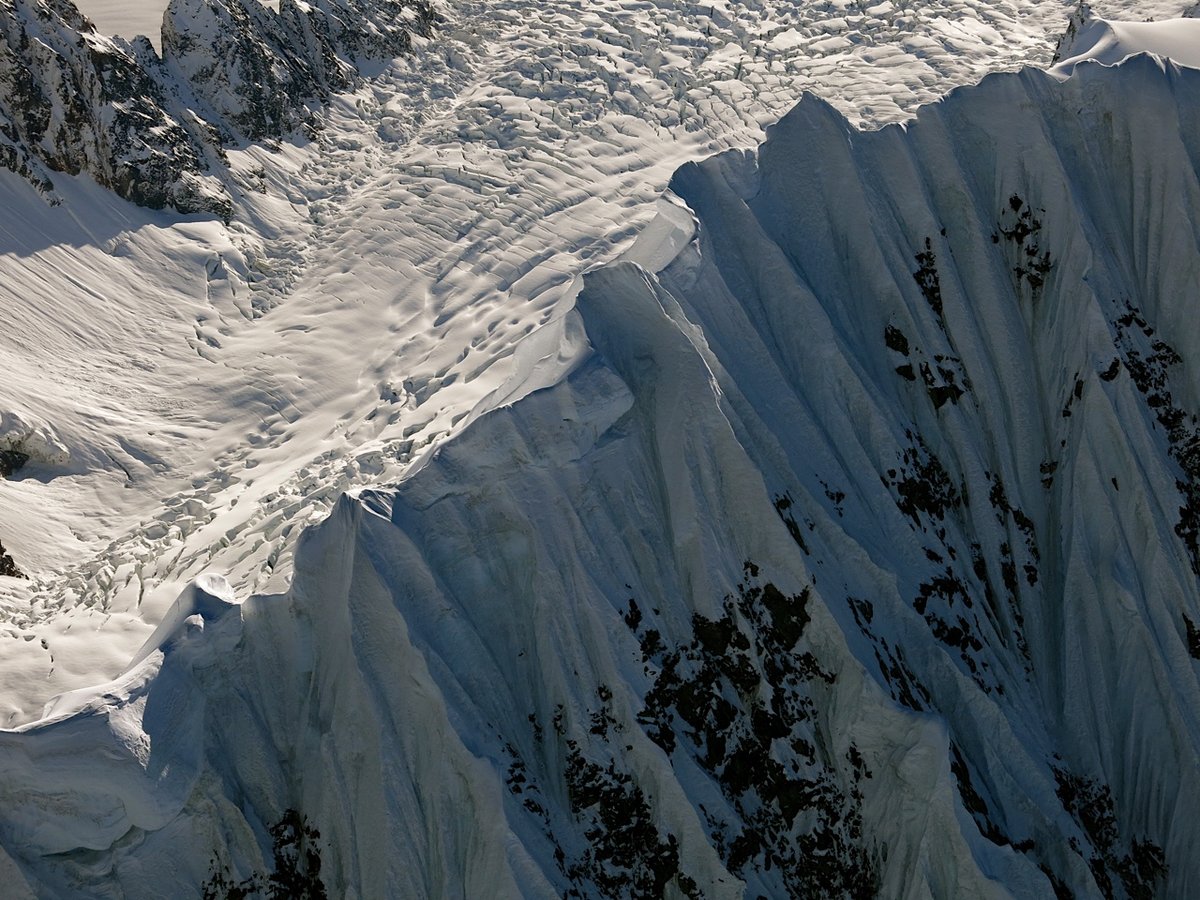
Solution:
(982, 542)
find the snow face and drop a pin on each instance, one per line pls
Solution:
(396, 302)
(961, 314)
(863, 522)
(1109, 43)
(441, 215)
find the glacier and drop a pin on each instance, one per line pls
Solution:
(200, 389)
(845, 545)
(834, 534)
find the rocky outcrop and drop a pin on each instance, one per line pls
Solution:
(72, 100)
(258, 71)
(11, 461)
(1066, 41)
(7, 566)
(241, 66)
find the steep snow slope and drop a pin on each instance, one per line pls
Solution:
(1112, 42)
(196, 393)
(854, 549)
(989, 356)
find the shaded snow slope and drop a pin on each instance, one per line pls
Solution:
(995, 419)
(855, 549)
(465, 728)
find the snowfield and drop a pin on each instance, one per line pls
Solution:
(568, 438)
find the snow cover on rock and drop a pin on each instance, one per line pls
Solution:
(72, 101)
(1112, 42)
(843, 551)
(151, 129)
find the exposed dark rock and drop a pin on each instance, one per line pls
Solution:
(74, 101)
(972, 800)
(927, 280)
(296, 874)
(261, 73)
(1150, 361)
(923, 487)
(626, 855)
(1193, 637)
(1066, 41)
(895, 340)
(739, 701)
(1138, 865)
(11, 462)
(1021, 231)
(8, 566)
(783, 505)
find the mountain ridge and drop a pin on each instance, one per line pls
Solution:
(152, 127)
(857, 514)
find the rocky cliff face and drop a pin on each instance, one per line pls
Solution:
(74, 101)
(151, 129)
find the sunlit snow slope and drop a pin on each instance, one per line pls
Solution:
(193, 393)
(1112, 42)
(854, 551)
(842, 538)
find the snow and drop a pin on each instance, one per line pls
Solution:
(402, 302)
(1109, 43)
(805, 258)
(366, 301)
